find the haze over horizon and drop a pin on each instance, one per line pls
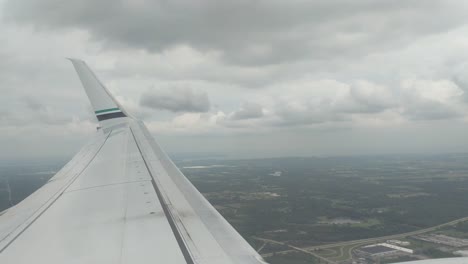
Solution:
(245, 78)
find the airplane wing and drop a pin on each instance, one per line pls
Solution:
(119, 200)
(122, 200)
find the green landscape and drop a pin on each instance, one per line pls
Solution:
(311, 202)
(319, 210)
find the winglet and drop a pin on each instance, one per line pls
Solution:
(104, 104)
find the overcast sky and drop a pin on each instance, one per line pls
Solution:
(243, 78)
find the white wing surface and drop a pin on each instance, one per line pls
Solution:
(119, 200)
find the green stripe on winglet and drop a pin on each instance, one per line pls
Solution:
(106, 110)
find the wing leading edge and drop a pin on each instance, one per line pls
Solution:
(119, 200)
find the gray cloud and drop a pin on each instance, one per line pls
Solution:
(461, 81)
(248, 110)
(33, 104)
(176, 99)
(431, 110)
(370, 98)
(33, 113)
(431, 99)
(247, 32)
(331, 102)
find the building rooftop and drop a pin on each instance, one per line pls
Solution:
(377, 249)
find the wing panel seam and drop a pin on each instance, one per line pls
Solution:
(105, 185)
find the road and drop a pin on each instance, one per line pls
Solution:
(293, 248)
(358, 241)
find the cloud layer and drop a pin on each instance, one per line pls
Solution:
(244, 73)
(246, 31)
(176, 99)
